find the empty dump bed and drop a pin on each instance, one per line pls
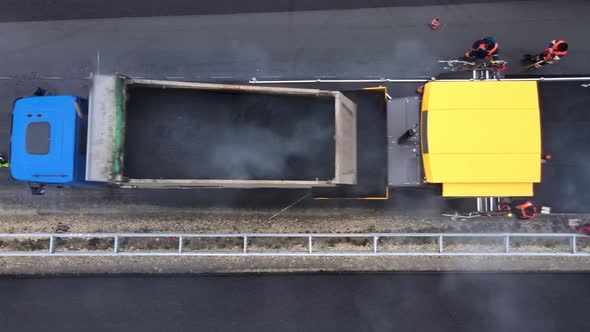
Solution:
(193, 134)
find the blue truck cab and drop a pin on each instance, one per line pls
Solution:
(48, 141)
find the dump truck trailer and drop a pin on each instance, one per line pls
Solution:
(133, 133)
(161, 134)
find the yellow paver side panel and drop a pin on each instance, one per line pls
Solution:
(427, 168)
(481, 95)
(426, 96)
(490, 168)
(487, 189)
(482, 132)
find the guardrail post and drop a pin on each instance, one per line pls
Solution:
(116, 245)
(375, 239)
(440, 244)
(51, 244)
(245, 244)
(507, 244)
(309, 245)
(573, 244)
(180, 240)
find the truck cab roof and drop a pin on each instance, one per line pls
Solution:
(43, 139)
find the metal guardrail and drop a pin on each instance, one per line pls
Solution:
(372, 247)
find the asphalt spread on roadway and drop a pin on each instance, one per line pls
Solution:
(392, 42)
(330, 302)
(46, 10)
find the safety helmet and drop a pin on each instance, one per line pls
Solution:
(487, 45)
(559, 47)
(527, 210)
(490, 42)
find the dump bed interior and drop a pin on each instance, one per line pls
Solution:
(175, 133)
(149, 133)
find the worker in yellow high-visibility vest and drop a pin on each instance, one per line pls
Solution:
(3, 161)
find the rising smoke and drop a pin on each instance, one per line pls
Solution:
(214, 135)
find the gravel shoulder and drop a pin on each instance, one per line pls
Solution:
(152, 220)
(174, 265)
(257, 221)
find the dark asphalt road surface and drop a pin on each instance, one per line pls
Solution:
(36, 10)
(392, 42)
(386, 302)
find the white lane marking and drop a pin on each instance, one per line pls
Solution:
(220, 77)
(5, 78)
(585, 85)
(174, 77)
(51, 77)
(97, 62)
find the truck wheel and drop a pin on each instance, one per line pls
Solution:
(37, 191)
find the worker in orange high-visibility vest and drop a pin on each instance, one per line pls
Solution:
(484, 49)
(521, 208)
(556, 50)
